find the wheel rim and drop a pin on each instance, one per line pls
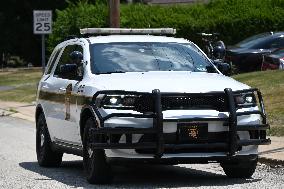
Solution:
(88, 154)
(41, 140)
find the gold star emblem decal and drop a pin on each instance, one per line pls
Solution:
(193, 132)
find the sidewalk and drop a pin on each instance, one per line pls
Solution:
(270, 154)
(273, 154)
(17, 109)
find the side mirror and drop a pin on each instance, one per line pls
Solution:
(223, 67)
(68, 71)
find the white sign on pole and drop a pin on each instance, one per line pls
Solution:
(42, 21)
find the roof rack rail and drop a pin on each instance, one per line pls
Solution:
(123, 31)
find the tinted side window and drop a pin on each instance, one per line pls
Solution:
(264, 44)
(54, 58)
(277, 43)
(65, 57)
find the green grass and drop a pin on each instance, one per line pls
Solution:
(271, 84)
(24, 83)
(12, 110)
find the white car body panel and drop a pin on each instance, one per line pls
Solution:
(178, 81)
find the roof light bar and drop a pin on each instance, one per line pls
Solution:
(160, 31)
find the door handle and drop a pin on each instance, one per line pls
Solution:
(62, 89)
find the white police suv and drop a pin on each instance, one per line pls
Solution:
(136, 96)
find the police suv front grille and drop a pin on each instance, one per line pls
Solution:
(202, 101)
(144, 104)
(194, 102)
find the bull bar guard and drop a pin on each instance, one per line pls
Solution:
(159, 145)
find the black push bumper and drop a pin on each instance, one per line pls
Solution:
(183, 160)
(232, 145)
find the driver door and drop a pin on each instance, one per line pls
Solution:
(64, 125)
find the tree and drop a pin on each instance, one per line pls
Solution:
(16, 23)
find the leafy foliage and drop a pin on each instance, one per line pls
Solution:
(76, 16)
(16, 23)
(233, 19)
(15, 61)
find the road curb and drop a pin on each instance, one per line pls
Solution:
(4, 113)
(22, 116)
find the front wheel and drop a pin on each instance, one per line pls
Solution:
(96, 167)
(242, 169)
(46, 157)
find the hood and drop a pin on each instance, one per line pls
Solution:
(167, 81)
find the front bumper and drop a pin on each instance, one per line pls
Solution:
(233, 144)
(184, 160)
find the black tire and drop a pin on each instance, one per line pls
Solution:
(242, 169)
(97, 169)
(45, 156)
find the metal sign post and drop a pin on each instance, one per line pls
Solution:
(43, 52)
(42, 25)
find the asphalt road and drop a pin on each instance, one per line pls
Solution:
(19, 169)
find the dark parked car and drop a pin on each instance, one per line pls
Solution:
(273, 61)
(247, 55)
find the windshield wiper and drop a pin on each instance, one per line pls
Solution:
(112, 72)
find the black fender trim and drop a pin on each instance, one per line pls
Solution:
(38, 107)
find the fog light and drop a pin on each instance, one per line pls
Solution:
(113, 100)
(249, 99)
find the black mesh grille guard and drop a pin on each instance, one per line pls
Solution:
(184, 102)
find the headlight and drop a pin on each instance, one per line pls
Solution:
(248, 98)
(118, 101)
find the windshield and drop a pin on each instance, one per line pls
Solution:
(255, 41)
(148, 56)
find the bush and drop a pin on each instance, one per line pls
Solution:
(76, 16)
(233, 19)
(15, 62)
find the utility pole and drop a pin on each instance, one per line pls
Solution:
(114, 13)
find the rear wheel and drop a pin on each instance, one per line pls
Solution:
(45, 156)
(243, 169)
(96, 167)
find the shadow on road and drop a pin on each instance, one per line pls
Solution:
(150, 176)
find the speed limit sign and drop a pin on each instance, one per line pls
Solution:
(42, 21)
(42, 25)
